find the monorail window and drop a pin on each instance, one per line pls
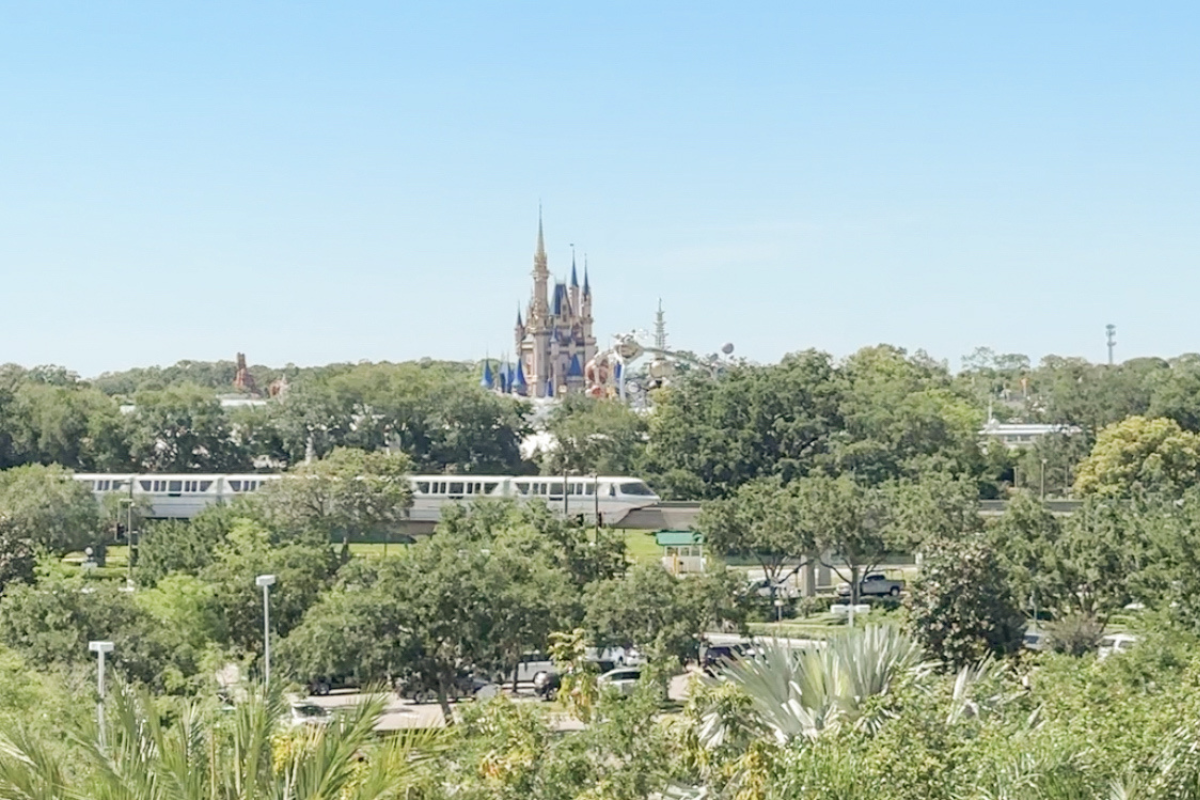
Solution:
(636, 488)
(235, 486)
(145, 485)
(556, 488)
(204, 485)
(456, 488)
(422, 487)
(522, 487)
(118, 485)
(589, 489)
(488, 488)
(175, 486)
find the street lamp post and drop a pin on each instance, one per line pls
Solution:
(100, 648)
(266, 582)
(1043, 479)
(596, 504)
(126, 503)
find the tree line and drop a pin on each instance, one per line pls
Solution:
(880, 414)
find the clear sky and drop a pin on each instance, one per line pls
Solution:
(315, 182)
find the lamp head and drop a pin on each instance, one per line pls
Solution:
(264, 580)
(100, 647)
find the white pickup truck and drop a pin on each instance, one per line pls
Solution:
(874, 584)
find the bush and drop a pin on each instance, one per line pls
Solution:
(816, 604)
(962, 607)
(1075, 635)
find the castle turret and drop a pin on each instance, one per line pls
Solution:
(539, 313)
(574, 287)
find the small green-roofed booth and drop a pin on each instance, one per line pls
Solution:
(683, 551)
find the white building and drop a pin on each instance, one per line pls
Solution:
(1015, 435)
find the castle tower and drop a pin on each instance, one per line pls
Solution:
(574, 287)
(539, 316)
(554, 340)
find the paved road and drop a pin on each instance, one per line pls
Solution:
(400, 714)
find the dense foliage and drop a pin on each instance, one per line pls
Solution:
(847, 464)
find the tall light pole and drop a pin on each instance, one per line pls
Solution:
(127, 504)
(596, 504)
(1043, 479)
(100, 648)
(266, 582)
(1110, 335)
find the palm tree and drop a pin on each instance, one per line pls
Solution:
(245, 754)
(806, 692)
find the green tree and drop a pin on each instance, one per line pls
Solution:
(961, 607)
(899, 412)
(762, 521)
(349, 492)
(851, 525)
(53, 621)
(648, 608)
(47, 508)
(302, 570)
(169, 546)
(357, 630)
(1175, 393)
(183, 429)
(707, 437)
(1026, 539)
(1140, 455)
(595, 436)
(201, 755)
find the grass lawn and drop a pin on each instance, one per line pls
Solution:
(639, 545)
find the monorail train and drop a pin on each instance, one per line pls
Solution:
(185, 496)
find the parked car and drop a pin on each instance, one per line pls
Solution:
(464, 688)
(324, 684)
(717, 655)
(547, 684)
(305, 714)
(1116, 643)
(530, 667)
(623, 679)
(875, 584)
(763, 587)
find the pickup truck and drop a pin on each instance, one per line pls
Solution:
(875, 584)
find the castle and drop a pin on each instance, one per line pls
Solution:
(554, 341)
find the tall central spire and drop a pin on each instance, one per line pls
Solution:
(541, 244)
(539, 307)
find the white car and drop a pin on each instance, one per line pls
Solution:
(307, 714)
(1116, 643)
(623, 679)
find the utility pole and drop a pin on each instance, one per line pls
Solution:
(266, 582)
(1110, 332)
(100, 649)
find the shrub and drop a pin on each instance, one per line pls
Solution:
(1075, 635)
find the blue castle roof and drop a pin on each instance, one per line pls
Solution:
(575, 370)
(488, 381)
(561, 300)
(519, 384)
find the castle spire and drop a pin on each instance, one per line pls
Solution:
(574, 275)
(541, 243)
(587, 287)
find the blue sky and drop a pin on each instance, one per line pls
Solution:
(315, 182)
